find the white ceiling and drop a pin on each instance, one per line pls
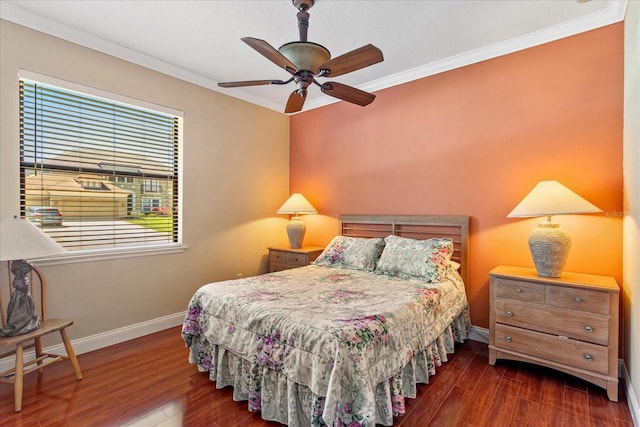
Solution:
(199, 41)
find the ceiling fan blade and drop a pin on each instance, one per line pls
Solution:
(271, 53)
(296, 101)
(352, 61)
(251, 83)
(347, 93)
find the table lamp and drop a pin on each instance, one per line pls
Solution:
(548, 243)
(295, 205)
(21, 240)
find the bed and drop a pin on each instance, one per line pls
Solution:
(345, 341)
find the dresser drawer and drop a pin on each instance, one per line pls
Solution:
(286, 258)
(274, 266)
(578, 299)
(278, 257)
(567, 351)
(522, 291)
(296, 259)
(593, 328)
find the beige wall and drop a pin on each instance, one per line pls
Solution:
(631, 240)
(236, 175)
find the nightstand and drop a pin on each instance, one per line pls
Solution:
(568, 323)
(285, 258)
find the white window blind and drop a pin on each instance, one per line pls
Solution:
(109, 170)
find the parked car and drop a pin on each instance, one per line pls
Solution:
(45, 215)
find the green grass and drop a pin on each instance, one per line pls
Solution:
(158, 223)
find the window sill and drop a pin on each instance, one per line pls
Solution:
(104, 255)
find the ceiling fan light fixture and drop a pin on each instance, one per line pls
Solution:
(305, 55)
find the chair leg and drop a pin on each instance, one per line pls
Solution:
(18, 380)
(39, 352)
(71, 354)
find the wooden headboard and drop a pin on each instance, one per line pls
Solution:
(455, 227)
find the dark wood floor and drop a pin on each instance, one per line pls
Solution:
(149, 382)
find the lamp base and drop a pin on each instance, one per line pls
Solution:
(21, 316)
(295, 230)
(549, 246)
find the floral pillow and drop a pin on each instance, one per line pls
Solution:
(357, 253)
(411, 258)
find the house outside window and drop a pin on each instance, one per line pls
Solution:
(92, 156)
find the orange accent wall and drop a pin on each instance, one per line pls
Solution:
(474, 141)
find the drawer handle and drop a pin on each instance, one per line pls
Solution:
(518, 290)
(588, 357)
(578, 299)
(508, 339)
(509, 314)
(588, 329)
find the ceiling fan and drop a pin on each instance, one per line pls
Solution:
(306, 61)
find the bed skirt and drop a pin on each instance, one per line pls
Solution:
(280, 399)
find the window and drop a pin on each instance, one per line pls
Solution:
(92, 184)
(151, 205)
(151, 186)
(119, 179)
(92, 158)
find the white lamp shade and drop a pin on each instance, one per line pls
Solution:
(297, 204)
(20, 239)
(552, 198)
(548, 243)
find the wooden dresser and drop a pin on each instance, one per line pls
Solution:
(568, 323)
(285, 258)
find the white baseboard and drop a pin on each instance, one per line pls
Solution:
(105, 339)
(632, 399)
(116, 336)
(479, 334)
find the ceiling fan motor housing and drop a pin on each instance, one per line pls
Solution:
(305, 55)
(303, 5)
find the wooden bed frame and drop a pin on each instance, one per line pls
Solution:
(455, 227)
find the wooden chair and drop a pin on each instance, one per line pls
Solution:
(34, 340)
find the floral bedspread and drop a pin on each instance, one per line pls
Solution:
(324, 346)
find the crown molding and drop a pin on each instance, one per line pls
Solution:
(614, 12)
